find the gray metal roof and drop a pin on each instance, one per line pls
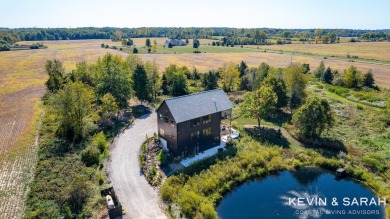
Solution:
(195, 105)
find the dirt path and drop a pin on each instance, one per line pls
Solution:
(138, 198)
(285, 134)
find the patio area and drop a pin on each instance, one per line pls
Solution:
(207, 153)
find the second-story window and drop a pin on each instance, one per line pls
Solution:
(195, 122)
(206, 119)
(172, 123)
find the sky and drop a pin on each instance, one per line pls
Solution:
(351, 14)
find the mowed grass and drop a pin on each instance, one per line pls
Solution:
(365, 50)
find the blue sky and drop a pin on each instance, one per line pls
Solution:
(356, 14)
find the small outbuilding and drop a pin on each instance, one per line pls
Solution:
(191, 124)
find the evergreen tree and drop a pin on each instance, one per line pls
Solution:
(164, 85)
(140, 83)
(210, 80)
(242, 68)
(368, 79)
(327, 76)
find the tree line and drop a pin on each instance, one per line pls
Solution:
(237, 36)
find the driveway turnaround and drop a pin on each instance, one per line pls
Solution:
(138, 198)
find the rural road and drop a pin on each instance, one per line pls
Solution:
(138, 198)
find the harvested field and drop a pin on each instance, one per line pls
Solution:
(22, 79)
(208, 61)
(366, 50)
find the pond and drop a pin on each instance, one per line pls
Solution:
(305, 193)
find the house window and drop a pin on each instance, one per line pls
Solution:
(166, 120)
(195, 136)
(161, 117)
(172, 123)
(162, 132)
(206, 119)
(195, 122)
(207, 131)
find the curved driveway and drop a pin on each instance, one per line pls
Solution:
(139, 199)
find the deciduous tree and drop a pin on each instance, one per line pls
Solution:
(260, 103)
(312, 118)
(56, 75)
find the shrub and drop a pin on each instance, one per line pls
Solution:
(90, 155)
(330, 164)
(135, 50)
(100, 141)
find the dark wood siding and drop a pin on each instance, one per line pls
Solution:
(170, 132)
(187, 145)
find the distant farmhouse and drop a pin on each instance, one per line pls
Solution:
(174, 42)
(192, 123)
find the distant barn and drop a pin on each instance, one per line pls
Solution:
(192, 123)
(175, 42)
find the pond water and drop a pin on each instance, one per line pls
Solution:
(305, 193)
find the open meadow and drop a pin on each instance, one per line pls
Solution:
(22, 79)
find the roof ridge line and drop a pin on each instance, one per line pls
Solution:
(193, 94)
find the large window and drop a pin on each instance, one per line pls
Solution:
(161, 117)
(166, 120)
(195, 136)
(207, 131)
(206, 119)
(195, 122)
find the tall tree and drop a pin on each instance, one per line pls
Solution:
(140, 83)
(352, 77)
(210, 80)
(148, 43)
(296, 83)
(56, 75)
(178, 85)
(312, 118)
(153, 78)
(327, 76)
(242, 68)
(113, 76)
(108, 107)
(279, 87)
(195, 44)
(260, 103)
(230, 77)
(73, 106)
(320, 70)
(368, 79)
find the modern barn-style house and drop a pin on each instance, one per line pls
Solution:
(192, 123)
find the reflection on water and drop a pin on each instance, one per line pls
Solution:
(276, 196)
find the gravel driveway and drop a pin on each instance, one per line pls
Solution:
(138, 198)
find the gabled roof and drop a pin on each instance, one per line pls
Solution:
(196, 105)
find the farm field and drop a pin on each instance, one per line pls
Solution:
(208, 61)
(364, 50)
(22, 79)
